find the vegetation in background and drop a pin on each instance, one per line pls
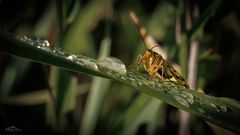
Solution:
(49, 99)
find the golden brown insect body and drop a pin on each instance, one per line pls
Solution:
(154, 63)
(158, 67)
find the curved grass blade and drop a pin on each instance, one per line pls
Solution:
(224, 112)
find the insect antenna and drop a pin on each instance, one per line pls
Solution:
(134, 19)
(154, 46)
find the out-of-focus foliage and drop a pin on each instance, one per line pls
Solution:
(52, 100)
(223, 112)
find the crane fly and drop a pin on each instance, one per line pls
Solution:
(154, 63)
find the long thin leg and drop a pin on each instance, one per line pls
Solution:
(139, 60)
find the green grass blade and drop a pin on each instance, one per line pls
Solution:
(96, 95)
(37, 51)
(201, 22)
(14, 72)
(223, 112)
(28, 99)
(135, 116)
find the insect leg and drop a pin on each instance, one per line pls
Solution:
(139, 61)
(155, 66)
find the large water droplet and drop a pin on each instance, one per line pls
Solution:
(87, 62)
(79, 59)
(113, 64)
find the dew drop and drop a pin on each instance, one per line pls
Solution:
(182, 101)
(132, 79)
(60, 52)
(189, 97)
(113, 64)
(26, 39)
(139, 83)
(72, 57)
(215, 107)
(40, 43)
(223, 108)
(123, 78)
(87, 62)
(134, 84)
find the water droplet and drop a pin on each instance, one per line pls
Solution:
(34, 40)
(42, 42)
(132, 79)
(134, 84)
(123, 78)
(87, 62)
(72, 57)
(26, 39)
(79, 62)
(182, 101)
(223, 108)
(139, 83)
(189, 97)
(215, 107)
(173, 92)
(59, 52)
(159, 85)
(109, 72)
(113, 64)
(38, 42)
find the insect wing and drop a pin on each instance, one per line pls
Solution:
(173, 75)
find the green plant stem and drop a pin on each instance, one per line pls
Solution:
(60, 22)
(197, 28)
(224, 112)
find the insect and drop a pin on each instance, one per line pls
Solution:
(155, 64)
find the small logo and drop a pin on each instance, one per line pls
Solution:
(13, 129)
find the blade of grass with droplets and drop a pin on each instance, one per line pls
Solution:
(224, 112)
(62, 83)
(96, 95)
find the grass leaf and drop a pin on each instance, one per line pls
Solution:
(223, 112)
